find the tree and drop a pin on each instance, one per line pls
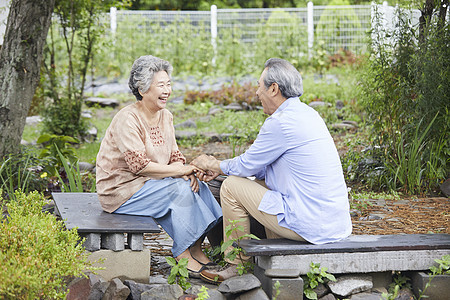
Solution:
(20, 61)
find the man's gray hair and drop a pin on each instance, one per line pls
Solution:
(284, 74)
(142, 72)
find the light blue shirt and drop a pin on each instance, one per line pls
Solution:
(296, 155)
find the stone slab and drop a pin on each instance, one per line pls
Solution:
(353, 262)
(83, 211)
(354, 243)
(126, 264)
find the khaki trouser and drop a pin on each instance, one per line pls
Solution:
(240, 197)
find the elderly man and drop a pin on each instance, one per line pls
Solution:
(299, 192)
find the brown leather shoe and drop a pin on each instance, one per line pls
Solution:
(220, 275)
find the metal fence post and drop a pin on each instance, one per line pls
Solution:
(113, 19)
(310, 20)
(214, 32)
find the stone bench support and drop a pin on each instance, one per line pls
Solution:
(286, 261)
(104, 234)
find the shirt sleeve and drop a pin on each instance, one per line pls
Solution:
(128, 135)
(268, 146)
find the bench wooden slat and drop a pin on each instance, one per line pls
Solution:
(354, 243)
(83, 210)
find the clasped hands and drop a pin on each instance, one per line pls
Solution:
(204, 167)
(208, 167)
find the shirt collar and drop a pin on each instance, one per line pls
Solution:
(285, 104)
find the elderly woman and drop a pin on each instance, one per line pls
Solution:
(140, 170)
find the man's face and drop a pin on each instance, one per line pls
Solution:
(264, 96)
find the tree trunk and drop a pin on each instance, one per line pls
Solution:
(20, 61)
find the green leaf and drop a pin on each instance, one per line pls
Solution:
(225, 245)
(310, 294)
(184, 272)
(171, 261)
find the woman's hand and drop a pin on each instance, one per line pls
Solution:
(189, 172)
(194, 183)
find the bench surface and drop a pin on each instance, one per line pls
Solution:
(83, 210)
(354, 243)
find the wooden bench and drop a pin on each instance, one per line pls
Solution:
(102, 230)
(286, 260)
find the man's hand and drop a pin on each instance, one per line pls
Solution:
(208, 163)
(208, 176)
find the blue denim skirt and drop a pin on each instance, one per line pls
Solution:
(185, 216)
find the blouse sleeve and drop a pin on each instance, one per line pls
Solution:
(129, 138)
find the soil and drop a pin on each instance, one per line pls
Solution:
(408, 215)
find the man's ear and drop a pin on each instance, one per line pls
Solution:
(274, 89)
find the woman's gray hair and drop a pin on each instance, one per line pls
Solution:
(142, 72)
(284, 74)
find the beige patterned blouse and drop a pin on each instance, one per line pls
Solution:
(127, 148)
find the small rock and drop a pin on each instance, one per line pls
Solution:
(314, 104)
(79, 289)
(116, 290)
(136, 289)
(239, 284)
(339, 104)
(255, 294)
(186, 124)
(214, 111)
(405, 294)
(157, 279)
(321, 290)
(328, 297)
(103, 102)
(233, 107)
(350, 284)
(215, 295)
(180, 134)
(163, 292)
(342, 126)
(99, 286)
(85, 166)
(445, 187)
(366, 296)
(353, 123)
(187, 297)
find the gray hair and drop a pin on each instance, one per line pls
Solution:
(284, 74)
(142, 72)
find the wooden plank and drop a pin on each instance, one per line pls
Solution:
(354, 243)
(83, 210)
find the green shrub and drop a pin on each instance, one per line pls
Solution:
(405, 92)
(38, 255)
(52, 144)
(21, 171)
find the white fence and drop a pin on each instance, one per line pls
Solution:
(335, 27)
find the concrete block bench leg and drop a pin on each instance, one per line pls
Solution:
(291, 284)
(113, 241)
(135, 241)
(92, 241)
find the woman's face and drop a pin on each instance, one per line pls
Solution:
(157, 95)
